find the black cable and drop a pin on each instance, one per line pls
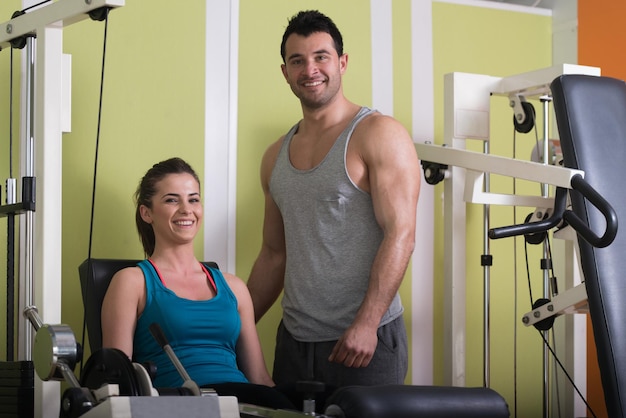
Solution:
(546, 242)
(515, 283)
(36, 5)
(556, 358)
(530, 287)
(551, 268)
(537, 147)
(556, 381)
(95, 168)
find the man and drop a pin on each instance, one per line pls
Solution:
(341, 190)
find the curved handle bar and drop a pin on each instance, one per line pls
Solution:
(589, 193)
(578, 183)
(560, 201)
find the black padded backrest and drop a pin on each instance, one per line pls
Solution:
(95, 275)
(591, 117)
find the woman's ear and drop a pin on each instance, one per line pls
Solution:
(145, 213)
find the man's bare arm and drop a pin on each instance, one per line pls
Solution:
(394, 181)
(268, 272)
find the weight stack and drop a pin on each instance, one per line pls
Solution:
(17, 389)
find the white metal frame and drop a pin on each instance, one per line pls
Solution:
(423, 126)
(466, 116)
(50, 118)
(220, 138)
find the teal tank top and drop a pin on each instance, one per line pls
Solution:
(203, 334)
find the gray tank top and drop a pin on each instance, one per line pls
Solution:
(331, 237)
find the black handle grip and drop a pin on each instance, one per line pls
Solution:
(581, 185)
(560, 202)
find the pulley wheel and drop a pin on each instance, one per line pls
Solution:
(529, 121)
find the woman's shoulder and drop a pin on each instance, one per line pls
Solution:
(233, 281)
(237, 286)
(128, 277)
(127, 288)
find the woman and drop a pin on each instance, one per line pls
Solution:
(206, 315)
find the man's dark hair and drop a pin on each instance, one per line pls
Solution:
(308, 22)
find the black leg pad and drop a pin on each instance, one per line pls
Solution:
(404, 401)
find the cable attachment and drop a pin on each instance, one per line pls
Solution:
(20, 41)
(540, 214)
(544, 324)
(99, 14)
(434, 172)
(523, 113)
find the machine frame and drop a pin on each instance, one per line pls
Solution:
(467, 117)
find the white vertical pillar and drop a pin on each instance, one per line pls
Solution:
(466, 116)
(423, 129)
(382, 56)
(220, 152)
(47, 222)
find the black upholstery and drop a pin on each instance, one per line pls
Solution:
(591, 117)
(400, 401)
(95, 275)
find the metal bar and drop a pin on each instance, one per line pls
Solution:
(61, 13)
(486, 283)
(494, 164)
(27, 164)
(537, 82)
(545, 191)
(573, 300)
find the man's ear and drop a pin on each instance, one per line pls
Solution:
(283, 69)
(343, 63)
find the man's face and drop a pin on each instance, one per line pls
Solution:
(313, 69)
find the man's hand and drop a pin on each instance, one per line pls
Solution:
(356, 347)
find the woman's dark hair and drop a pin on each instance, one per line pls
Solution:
(146, 190)
(311, 21)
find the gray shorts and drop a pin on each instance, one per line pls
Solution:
(295, 360)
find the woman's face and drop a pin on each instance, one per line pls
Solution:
(176, 211)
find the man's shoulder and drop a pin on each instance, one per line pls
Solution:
(271, 152)
(379, 120)
(269, 160)
(380, 127)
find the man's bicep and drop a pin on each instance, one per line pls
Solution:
(395, 182)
